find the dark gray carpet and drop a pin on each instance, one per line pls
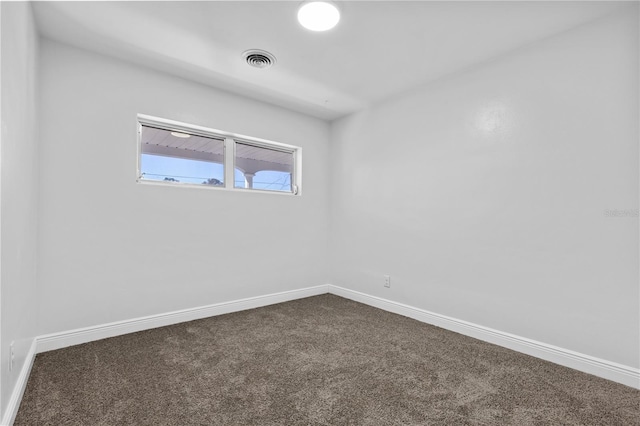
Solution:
(322, 360)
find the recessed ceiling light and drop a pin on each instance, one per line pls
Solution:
(181, 135)
(318, 15)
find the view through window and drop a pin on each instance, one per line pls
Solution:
(181, 157)
(176, 153)
(264, 167)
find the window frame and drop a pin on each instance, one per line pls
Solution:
(229, 154)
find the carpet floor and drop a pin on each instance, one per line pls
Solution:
(323, 360)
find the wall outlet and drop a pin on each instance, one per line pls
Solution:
(12, 356)
(387, 281)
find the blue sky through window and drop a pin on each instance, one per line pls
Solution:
(272, 180)
(156, 167)
(172, 169)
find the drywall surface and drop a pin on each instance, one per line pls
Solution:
(506, 195)
(112, 249)
(19, 191)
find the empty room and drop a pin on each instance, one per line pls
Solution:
(320, 213)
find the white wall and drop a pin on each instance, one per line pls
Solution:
(483, 194)
(19, 191)
(112, 249)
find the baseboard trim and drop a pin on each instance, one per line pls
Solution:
(19, 388)
(598, 367)
(78, 336)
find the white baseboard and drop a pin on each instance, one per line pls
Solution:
(54, 341)
(609, 370)
(18, 390)
(598, 367)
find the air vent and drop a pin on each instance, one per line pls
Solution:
(259, 58)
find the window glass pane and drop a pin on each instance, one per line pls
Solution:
(263, 168)
(272, 180)
(180, 157)
(171, 169)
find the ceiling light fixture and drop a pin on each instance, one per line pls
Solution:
(318, 15)
(181, 135)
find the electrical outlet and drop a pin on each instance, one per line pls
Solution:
(12, 356)
(387, 281)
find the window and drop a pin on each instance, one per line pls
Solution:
(264, 167)
(172, 156)
(180, 154)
